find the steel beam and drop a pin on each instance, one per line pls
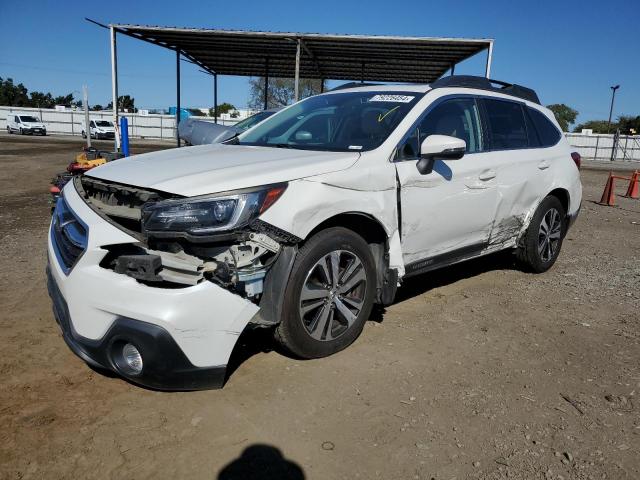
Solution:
(297, 75)
(177, 94)
(266, 83)
(215, 97)
(114, 88)
(487, 72)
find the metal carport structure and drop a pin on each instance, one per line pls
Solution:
(303, 55)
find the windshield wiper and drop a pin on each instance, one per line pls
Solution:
(232, 140)
(281, 145)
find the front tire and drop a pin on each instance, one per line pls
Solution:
(21, 131)
(329, 295)
(543, 240)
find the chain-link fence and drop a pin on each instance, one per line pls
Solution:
(601, 147)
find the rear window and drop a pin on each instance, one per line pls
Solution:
(548, 134)
(506, 125)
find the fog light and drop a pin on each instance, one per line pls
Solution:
(132, 358)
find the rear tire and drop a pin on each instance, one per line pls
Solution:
(9, 130)
(329, 295)
(543, 240)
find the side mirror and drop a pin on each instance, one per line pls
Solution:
(303, 135)
(439, 147)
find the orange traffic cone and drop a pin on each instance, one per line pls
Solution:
(608, 197)
(632, 191)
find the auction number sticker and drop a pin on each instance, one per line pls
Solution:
(392, 98)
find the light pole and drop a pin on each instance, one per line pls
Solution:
(613, 97)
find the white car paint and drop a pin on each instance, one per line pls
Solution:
(98, 130)
(484, 198)
(17, 122)
(205, 169)
(97, 296)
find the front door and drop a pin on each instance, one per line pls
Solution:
(447, 213)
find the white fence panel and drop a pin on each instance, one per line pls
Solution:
(599, 146)
(68, 122)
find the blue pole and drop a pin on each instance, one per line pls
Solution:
(124, 132)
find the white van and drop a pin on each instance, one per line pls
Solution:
(100, 129)
(23, 124)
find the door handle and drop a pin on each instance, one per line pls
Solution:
(543, 165)
(487, 175)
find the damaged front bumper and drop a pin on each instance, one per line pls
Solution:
(185, 335)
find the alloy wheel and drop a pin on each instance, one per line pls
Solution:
(333, 295)
(549, 235)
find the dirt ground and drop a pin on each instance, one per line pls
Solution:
(478, 371)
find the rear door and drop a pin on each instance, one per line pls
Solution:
(447, 213)
(522, 172)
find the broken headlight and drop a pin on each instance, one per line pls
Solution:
(209, 214)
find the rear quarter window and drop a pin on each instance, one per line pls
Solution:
(507, 130)
(548, 133)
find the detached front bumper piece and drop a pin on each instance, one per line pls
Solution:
(184, 336)
(165, 366)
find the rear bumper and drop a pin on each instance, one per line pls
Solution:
(166, 367)
(572, 217)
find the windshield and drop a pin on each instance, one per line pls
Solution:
(350, 121)
(103, 123)
(249, 122)
(28, 118)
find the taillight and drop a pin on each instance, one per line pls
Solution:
(577, 159)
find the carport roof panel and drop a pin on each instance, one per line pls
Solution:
(329, 56)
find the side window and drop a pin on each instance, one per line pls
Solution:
(532, 132)
(547, 132)
(507, 129)
(92, 124)
(457, 117)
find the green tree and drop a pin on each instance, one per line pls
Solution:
(66, 100)
(97, 107)
(598, 126)
(627, 123)
(222, 108)
(280, 92)
(125, 102)
(564, 114)
(41, 100)
(13, 95)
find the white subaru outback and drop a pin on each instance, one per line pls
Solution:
(158, 262)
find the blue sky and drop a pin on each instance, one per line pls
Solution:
(570, 52)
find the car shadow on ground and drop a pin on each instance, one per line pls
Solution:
(261, 462)
(260, 340)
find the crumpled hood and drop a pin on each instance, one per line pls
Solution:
(205, 169)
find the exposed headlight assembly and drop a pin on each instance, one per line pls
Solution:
(209, 214)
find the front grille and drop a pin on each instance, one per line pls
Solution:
(122, 204)
(68, 235)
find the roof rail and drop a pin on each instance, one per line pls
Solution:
(484, 83)
(353, 85)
